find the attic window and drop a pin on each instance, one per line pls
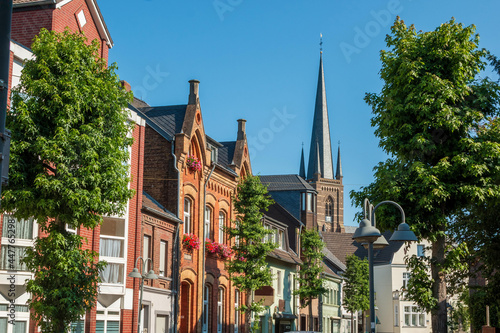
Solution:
(81, 18)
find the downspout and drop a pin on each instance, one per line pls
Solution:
(176, 251)
(204, 241)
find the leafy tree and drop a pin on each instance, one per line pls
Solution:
(68, 166)
(432, 118)
(356, 287)
(310, 280)
(248, 270)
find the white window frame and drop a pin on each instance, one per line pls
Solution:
(147, 250)
(108, 315)
(222, 220)
(208, 220)
(187, 215)
(414, 315)
(206, 309)
(19, 242)
(406, 278)
(116, 260)
(163, 258)
(236, 311)
(220, 310)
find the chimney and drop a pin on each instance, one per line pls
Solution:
(194, 98)
(241, 129)
(125, 85)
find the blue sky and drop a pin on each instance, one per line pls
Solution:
(258, 60)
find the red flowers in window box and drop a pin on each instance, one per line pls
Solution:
(222, 250)
(191, 242)
(193, 163)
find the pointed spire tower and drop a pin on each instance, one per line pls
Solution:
(320, 131)
(302, 170)
(329, 208)
(339, 175)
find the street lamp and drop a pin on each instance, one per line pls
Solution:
(135, 274)
(368, 233)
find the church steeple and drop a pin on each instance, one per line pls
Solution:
(302, 170)
(320, 132)
(339, 175)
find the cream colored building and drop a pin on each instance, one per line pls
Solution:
(394, 312)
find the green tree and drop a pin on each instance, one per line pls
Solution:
(356, 287)
(310, 279)
(248, 270)
(430, 118)
(68, 166)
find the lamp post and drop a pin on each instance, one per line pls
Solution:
(368, 233)
(135, 274)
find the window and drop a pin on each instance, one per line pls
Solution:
(222, 218)
(81, 18)
(163, 258)
(396, 315)
(208, 218)
(21, 319)
(187, 216)
(414, 316)
(309, 206)
(162, 323)
(406, 278)
(220, 310)
(111, 249)
(146, 252)
(303, 201)
(206, 308)
(280, 238)
(17, 235)
(108, 321)
(279, 281)
(420, 250)
(236, 311)
(329, 210)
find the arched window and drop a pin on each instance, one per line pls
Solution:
(236, 311)
(187, 216)
(220, 310)
(206, 307)
(222, 220)
(329, 210)
(208, 218)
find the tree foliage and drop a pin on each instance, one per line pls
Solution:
(434, 118)
(310, 279)
(356, 287)
(68, 166)
(248, 270)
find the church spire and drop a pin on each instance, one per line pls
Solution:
(302, 170)
(321, 131)
(339, 175)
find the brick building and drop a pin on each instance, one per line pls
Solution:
(115, 240)
(195, 177)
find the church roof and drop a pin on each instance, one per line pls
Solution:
(320, 137)
(285, 183)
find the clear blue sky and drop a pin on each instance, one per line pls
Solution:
(258, 60)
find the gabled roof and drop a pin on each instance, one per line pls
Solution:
(150, 204)
(277, 212)
(95, 11)
(342, 245)
(286, 256)
(334, 260)
(226, 152)
(285, 183)
(167, 118)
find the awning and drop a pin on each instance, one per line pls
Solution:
(278, 315)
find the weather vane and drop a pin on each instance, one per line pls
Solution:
(321, 43)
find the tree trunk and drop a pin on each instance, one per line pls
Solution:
(310, 314)
(439, 315)
(248, 313)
